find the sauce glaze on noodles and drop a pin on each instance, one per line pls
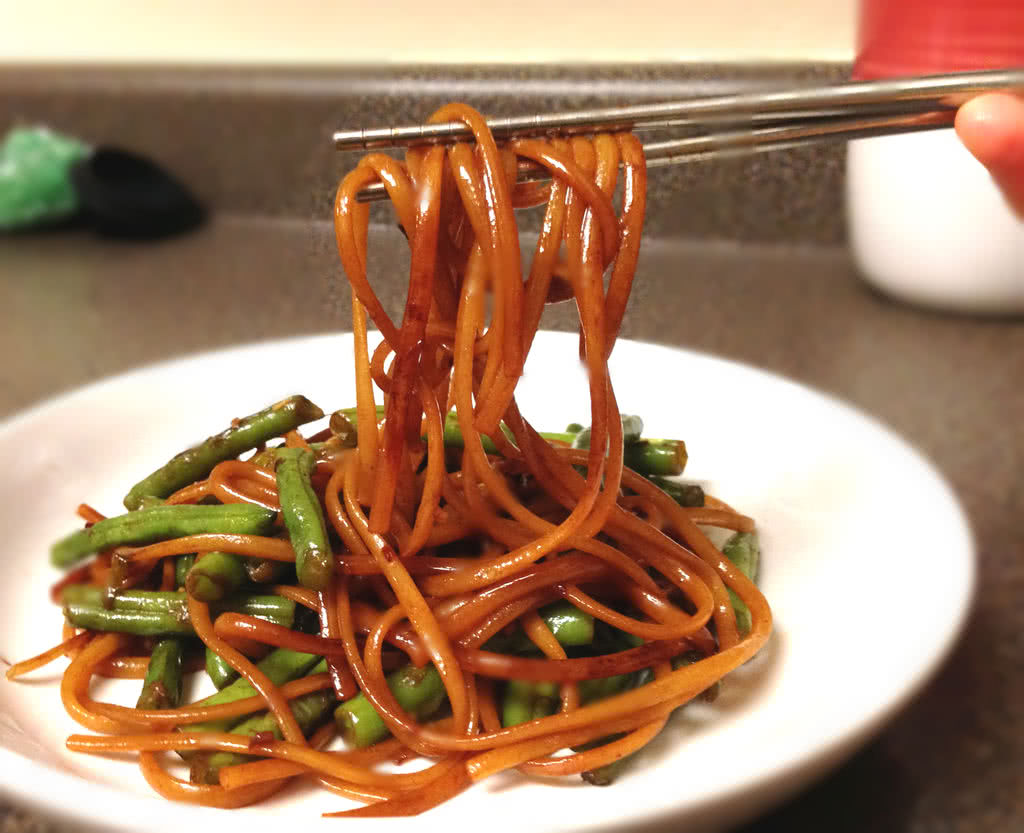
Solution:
(596, 539)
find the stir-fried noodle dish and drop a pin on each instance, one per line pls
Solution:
(423, 573)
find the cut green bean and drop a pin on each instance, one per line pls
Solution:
(570, 626)
(214, 576)
(248, 433)
(743, 551)
(322, 451)
(605, 775)
(309, 710)
(159, 612)
(149, 501)
(125, 573)
(161, 523)
(591, 690)
(344, 429)
(419, 691)
(314, 561)
(218, 670)
(659, 457)
(265, 459)
(182, 564)
(685, 494)
(162, 687)
(152, 601)
(136, 622)
(266, 571)
(267, 606)
(603, 687)
(280, 666)
(632, 429)
(708, 695)
(644, 456)
(524, 701)
(452, 433)
(272, 608)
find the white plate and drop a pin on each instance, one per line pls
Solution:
(848, 514)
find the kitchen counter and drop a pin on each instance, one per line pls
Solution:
(77, 309)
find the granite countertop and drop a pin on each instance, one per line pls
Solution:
(77, 309)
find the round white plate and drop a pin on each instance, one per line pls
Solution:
(847, 513)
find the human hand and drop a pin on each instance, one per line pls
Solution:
(992, 128)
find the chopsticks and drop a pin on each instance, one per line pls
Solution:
(729, 124)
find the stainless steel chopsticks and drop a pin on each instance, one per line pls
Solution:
(730, 124)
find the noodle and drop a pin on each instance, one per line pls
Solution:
(445, 550)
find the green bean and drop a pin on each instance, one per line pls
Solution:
(743, 551)
(660, 457)
(162, 686)
(452, 433)
(591, 690)
(570, 626)
(248, 433)
(182, 564)
(149, 501)
(708, 695)
(632, 429)
(218, 670)
(161, 523)
(280, 666)
(645, 456)
(603, 776)
(176, 602)
(602, 687)
(314, 561)
(137, 622)
(524, 701)
(214, 576)
(265, 459)
(351, 415)
(266, 571)
(326, 451)
(161, 612)
(344, 428)
(153, 601)
(126, 573)
(275, 609)
(309, 711)
(419, 691)
(685, 494)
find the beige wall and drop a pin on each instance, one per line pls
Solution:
(317, 31)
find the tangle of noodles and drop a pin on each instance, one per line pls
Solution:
(438, 550)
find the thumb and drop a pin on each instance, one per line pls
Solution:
(992, 128)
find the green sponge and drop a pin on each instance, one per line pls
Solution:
(35, 187)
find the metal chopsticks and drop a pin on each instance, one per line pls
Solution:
(730, 124)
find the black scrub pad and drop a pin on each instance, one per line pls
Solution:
(126, 195)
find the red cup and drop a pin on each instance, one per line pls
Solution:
(925, 37)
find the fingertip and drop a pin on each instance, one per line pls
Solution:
(991, 127)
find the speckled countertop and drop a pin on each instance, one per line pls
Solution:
(77, 309)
